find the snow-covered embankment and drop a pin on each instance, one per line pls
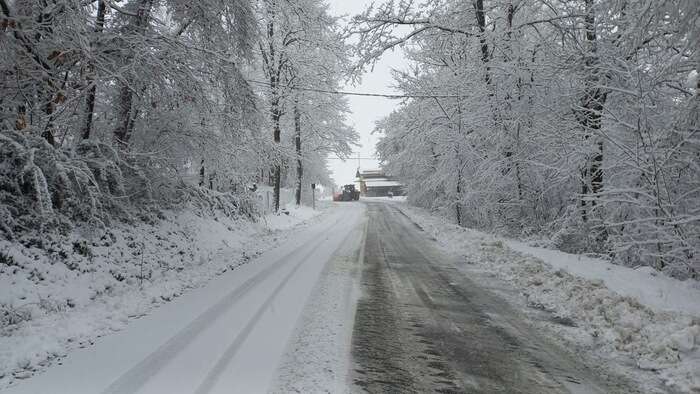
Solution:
(64, 294)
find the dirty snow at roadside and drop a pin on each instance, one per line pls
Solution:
(645, 325)
(114, 277)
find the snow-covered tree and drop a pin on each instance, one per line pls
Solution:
(303, 57)
(576, 120)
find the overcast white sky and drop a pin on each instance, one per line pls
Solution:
(365, 110)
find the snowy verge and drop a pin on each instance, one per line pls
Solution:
(641, 324)
(645, 284)
(62, 294)
(291, 216)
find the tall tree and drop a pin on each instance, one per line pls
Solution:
(136, 28)
(559, 137)
(90, 79)
(303, 50)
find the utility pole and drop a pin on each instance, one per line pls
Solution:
(313, 196)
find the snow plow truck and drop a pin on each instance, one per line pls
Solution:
(348, 193)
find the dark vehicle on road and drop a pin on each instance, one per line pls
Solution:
(349, 193)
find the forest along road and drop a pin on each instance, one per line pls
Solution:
(421, 326)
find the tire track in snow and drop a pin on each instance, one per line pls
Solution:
(214, 374)
(137, 376)
(230, 352)
(317, 357)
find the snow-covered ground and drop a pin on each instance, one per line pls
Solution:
(318, 357)
(645, 284)
(50, 307)
(644, 324)
(292, 216)
(278, 306)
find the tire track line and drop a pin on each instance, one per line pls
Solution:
(137, 376)
(215, 373)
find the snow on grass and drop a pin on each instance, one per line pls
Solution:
(614, 313)
(61, 294)
(292, 216)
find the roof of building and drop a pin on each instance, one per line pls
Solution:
(366, 174)
(381, 182)
(376, 178)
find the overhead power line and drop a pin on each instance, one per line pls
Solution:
(352, 158)
(363, 94)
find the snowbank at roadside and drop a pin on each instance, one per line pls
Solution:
(66, 293)
(292, 216)
(621, 315)
(648, 286)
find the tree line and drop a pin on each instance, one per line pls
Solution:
(110, 105)
(576, 120)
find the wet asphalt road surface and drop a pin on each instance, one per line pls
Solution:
(421, 326)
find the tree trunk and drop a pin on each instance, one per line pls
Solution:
(591, 116)
(458, 203)
(297, 141)
(276, 194)
(481, 24)
(21, 121)
(126, 119)
(276, 134)
(509, 151)
(274, 70)
(49, 109)
(90, 99)
(121, 133)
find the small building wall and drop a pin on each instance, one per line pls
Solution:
(374, 183)
(383, 191)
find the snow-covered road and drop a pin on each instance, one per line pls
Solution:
(422, 326)
(227, 337)
(362, 300)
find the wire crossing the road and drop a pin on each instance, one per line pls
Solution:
(362, 94)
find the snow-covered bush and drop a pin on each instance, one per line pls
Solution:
(42, 188)
(45, 189)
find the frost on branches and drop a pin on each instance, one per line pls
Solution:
(577, 121)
